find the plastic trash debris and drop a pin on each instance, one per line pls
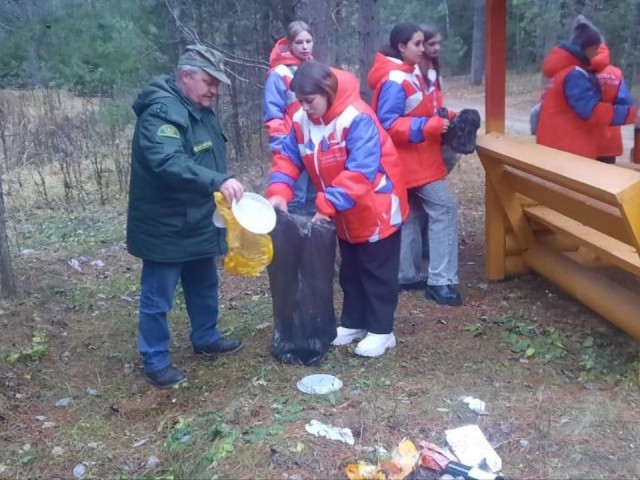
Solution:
(75, 264)
(153, 462)
(476, 405)
(92, 392)
(57, 451)
(254, 213)
(402, 462)
(248, 253)
(301, 279)
(469, 444)
(319, 384)
(79, 471)
(364, 471)
(441, 460)
(64, 402)
(329, 431)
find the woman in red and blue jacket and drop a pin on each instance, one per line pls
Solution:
(407, 110)
(351, 160)
(280, 103)
(574, 114)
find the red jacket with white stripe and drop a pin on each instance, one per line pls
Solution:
(407, 112)
(351, 161)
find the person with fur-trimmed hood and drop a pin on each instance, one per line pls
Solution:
(574, 115)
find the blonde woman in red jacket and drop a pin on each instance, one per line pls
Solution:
(337, 140)
(408, 112)
(280, 103)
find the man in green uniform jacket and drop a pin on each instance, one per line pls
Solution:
(178, 159)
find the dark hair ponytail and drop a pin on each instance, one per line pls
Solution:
(401, 33)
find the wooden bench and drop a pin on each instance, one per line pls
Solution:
(548, 211)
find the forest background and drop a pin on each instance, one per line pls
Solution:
(551, 372)
(112, 47)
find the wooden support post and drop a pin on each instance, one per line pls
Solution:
(495, 82)
(635, 151)
(495, 65)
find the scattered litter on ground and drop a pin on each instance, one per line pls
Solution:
(152, 462)
(329, 431)
(64, 402)
(441, 460)
(92, 392)
(402, 462)
(79, 471)
(476, 405)
(139, 443)
(319, 384)
(41, 418)
(469, 444)
(57, 451)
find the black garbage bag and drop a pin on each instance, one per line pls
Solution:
(462, 132)
(301, 280)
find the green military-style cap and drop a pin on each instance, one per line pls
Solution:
(205, 58)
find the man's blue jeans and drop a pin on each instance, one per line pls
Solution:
(158, 282)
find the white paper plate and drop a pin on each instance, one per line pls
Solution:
(319, 384)
(254, 213)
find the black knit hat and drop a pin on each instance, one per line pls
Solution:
(585, 34)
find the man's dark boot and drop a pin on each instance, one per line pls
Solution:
(167, 377)
(443, 295)
(222, 345)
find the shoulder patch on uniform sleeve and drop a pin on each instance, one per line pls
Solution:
(168, 130)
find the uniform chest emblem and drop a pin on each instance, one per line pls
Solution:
(168, 130)
(202, 146)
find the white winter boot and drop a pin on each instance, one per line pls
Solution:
(375, 344)
(347, 335)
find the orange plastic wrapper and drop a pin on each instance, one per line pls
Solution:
(364, 471)
(403, 460)
(248, 253)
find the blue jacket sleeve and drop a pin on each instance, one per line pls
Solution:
(583, 97)
(624, 95)
(390, 111)
(273, 111)
(275, 101)
(290, 154)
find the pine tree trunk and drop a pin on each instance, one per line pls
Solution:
(477, 51)
(369, 35)
(7, 279)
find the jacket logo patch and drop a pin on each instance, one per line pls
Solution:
(168, 130)
(202, 146)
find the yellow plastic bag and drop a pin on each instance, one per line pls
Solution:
(248, 253)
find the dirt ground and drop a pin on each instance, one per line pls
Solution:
(558, 381)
